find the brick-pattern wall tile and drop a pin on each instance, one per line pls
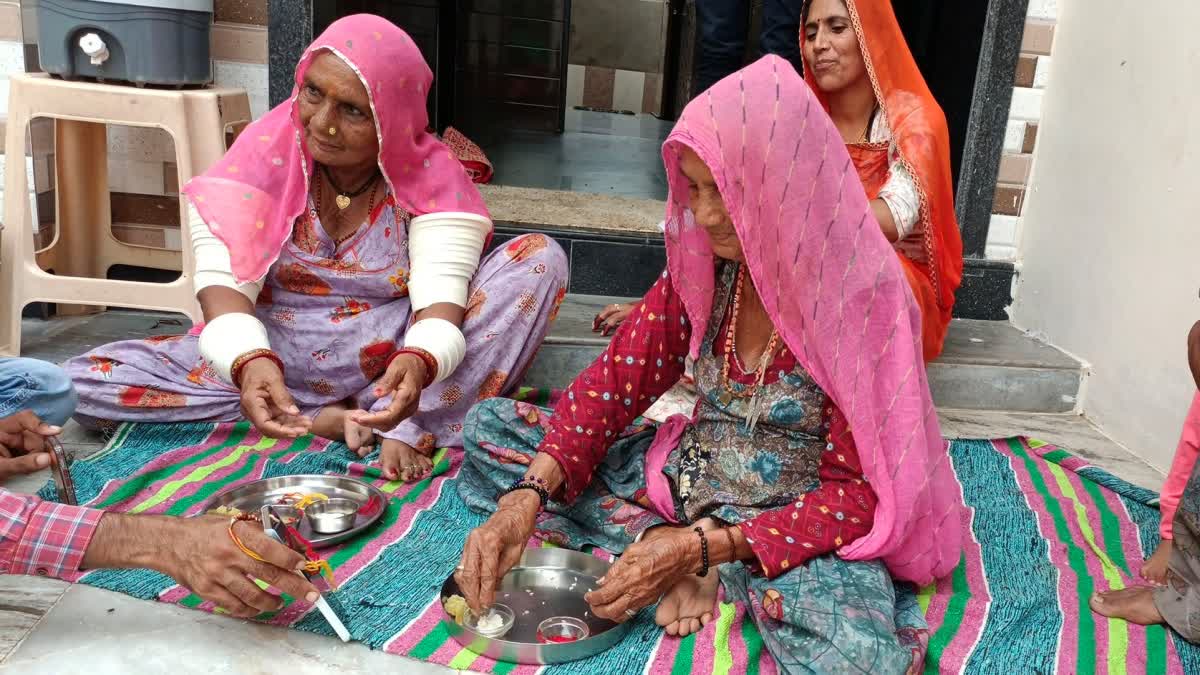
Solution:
(1026, 70)
(1008, 200)
(1038, 37)
(1031, 132)
(1041, 74)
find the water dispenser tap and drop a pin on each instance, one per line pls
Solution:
(94, 46)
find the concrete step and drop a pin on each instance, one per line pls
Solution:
(986, 365)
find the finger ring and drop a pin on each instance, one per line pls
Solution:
(630, 613)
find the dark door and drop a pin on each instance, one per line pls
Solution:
(945, 37)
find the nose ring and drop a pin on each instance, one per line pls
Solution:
(333, 131)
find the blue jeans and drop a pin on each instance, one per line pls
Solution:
(723, 36)
(44, 388)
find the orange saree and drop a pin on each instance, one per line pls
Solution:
(922, 141)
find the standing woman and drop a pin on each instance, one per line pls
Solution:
(858, 64)
(338, 265)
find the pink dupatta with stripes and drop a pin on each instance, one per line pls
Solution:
(834, 289)
(251, 197)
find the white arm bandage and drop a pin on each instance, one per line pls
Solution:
(442, 339)
(443, 251)
(213, 267)
(227, 337)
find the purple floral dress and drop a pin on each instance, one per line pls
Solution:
(334, 314)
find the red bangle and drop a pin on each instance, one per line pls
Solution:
(431, 364)
(240, 363)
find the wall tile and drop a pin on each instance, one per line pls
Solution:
(1026, 70)
(1042, 74)
(249, 76)
(628, 90)
(598, 84)
(10, 21)
(1026, 105)
(1038, 37)
(1031, 132)
(1014, 135)
(1008, 200)
(1014, 168)
(232, 42)
(1002, 230)
(1043, 9)
(241, 11)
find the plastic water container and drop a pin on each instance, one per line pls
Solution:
(155, 42)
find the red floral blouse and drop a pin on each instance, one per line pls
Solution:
(643, 361)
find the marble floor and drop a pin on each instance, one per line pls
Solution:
(601, 153)
(48, 627)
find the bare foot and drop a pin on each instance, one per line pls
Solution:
(334, 423)
(402, 461)
(1135, 605)
(1155, 568)
(688, 606)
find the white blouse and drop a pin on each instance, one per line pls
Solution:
(900, 194)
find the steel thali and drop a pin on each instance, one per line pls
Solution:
(548, 583)
(251, 497)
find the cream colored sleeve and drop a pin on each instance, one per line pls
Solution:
(900, 195)
(213, 267)
(443, 252)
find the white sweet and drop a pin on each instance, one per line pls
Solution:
(490, 622)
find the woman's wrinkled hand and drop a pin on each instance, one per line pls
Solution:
(611, 317)
(645, 572)
(404, 379)
(268, 404)
(495, 547)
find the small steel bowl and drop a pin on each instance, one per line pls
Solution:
(560, 629)
(505, 613)
(331, 516)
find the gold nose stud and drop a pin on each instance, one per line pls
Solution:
(333, 131)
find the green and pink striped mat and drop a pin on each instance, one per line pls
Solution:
(1046, 530)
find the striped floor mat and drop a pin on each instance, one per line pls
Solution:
(1046, 530)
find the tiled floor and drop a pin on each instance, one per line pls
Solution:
(599, 152)
(49, 627)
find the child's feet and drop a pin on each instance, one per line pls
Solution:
(1154, 569)
(1135, 605)
(402, 461)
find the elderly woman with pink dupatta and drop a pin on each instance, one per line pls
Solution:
(337, 250)
(811, 476)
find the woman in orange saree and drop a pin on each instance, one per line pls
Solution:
(859, 65)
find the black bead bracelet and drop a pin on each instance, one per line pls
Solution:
(703, 552)
(526, 484)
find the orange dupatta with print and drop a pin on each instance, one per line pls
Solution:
(922, 140)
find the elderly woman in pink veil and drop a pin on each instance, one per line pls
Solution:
(811, 476)
(338, 265)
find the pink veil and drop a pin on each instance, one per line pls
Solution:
(252, 196)
(832, 286)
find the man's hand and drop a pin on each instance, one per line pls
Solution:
(23, 444)
(199, 554)
(24, 433)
